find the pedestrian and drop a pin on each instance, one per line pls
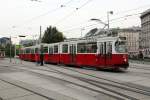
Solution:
(41, 58)
(141, 55)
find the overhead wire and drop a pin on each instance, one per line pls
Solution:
(46, 13)
(125, 11)
(111, 21)
(68, 15)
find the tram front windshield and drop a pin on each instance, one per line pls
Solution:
(120, 47)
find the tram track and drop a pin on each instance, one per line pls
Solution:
(103, 85)
(86, 87)
(104, 79)
(29, 90)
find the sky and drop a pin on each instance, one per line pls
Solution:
(72, 17)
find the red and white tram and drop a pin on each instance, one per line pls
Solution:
(106, 53)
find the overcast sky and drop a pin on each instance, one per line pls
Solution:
(24, 17)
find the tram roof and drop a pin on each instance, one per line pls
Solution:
(89, 39)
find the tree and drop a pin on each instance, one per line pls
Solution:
(7, 50)
(52, 35)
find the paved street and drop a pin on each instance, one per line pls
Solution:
(27, 81)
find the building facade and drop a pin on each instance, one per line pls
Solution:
(132, 37)
(4, 41)
(145, 34)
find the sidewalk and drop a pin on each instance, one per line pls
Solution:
(139, 62)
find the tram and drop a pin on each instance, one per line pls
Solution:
(104, 52)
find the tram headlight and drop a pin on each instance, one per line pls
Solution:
(124, 58)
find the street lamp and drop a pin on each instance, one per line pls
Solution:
(98, 20)
(106, 24)
(10, 50)
(101, 22)
(109, 12)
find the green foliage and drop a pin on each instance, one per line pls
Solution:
(1, 47)
(7, 50)
(52, 35)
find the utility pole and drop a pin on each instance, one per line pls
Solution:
(10, 50)
(40, 38)
(109, 12)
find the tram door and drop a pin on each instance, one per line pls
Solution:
(101, 54)
(108, 57)
(73, 53)
(105, 53)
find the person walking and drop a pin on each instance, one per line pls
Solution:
(41, 58)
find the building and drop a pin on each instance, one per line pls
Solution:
(145, 34)
(132, 37)
(4, 41)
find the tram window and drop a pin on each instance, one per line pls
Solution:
(101, 48)
(28, 50)
(50, 50)
(120, 46)
(65, 48)
(36, 50)
(32, 51)
(81, 48)
(45, 50)
(56, 49)
(91, 47)
(72, 49)
(108, 48)
(21, 51)
(87, 47)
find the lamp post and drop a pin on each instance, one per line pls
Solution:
(101, 22)
(14, 48)
(10, 50)
(109, 12)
